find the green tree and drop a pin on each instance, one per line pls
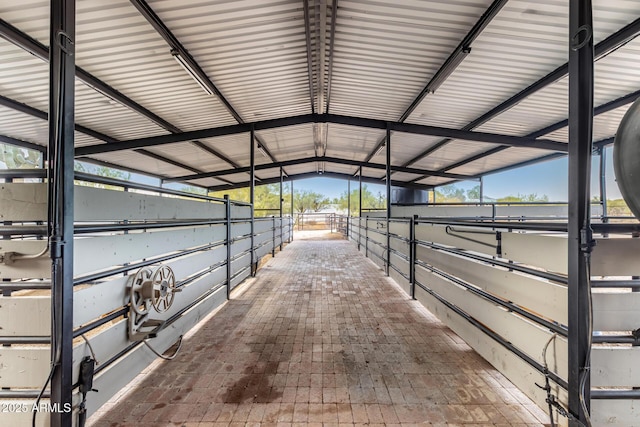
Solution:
(101, 171)
(473, 194)
(532, 197)
(15, 157)
(309, 201)
(266, 198)
(451, 194)
(369, 200)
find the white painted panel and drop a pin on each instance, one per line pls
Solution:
(263, 225)
(117, 375)
(240, 263)
(615, 366)
(616, 257)
(24, 367)
(400, 263)
(101, 252)
(94, 301)
(399, 245)
(240, 212)
(263, 237)
(23, 202)
(241, 229)
(378, 236)
(521, 374)
(240, 246)
(546, 251)
(522, 333)
(561, 211)
(620, 413)
(38, 268)
(240, 277)
(400, 228)
(401, 281)
(14, 312)
(263, 250)
(441, 211)
(437, 234)
(616, 311)
(95, 204)
(538, 295)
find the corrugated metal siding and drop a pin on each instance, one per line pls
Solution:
(133, 160)
(508, 157)
(257, 59)
(289, 142)
(452, 152)
(386, 52)
(351, 142)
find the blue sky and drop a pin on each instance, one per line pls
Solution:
(546, 178)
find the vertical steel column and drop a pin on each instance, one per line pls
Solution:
(579, 229)
(481, 190)
(348, 208)
(360, 209)
(412, 256)
(603, 184)
(61, 203)
(227, 204)
(388, 179)
(281, 201)
(273, 242)
(252, 195)
(292, 205)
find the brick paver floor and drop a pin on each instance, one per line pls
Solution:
(322, 337)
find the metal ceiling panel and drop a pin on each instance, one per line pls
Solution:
(604, 126)
(340, 168)
(136, 161)
(386, 52)
(451, 153)
(435, 180)
(289, 142)
(207, 182)
(351, 142)
(22, 126)
(505, 158)
(236, 148)
(116, 44)
(253, 50)
(527, 40)
(192, 155)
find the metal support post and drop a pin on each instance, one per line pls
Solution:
(360, 192)
(281, 200)
(227, 203)
(61, 204)
(348, 208)
(388, 179)
(273, 245)
(412, 256)
(481, 190)
(252, 195)
(292, 210)
(603, 184)
(579, 227)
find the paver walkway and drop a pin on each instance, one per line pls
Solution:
(322, 337)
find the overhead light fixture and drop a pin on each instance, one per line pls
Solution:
(449, 67)
(184, 64)
(262, 151)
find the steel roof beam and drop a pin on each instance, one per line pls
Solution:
(22, 144)
(317, 159)
(601, 109)
(39, 50)
(450, 65)
(34, 112)
(160, 27)
(306, 175)
(603, 48)
(516, 141)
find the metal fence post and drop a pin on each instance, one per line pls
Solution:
(228, 243)
(412, 256)
(273, 246)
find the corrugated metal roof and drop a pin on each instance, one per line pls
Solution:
(374, 65)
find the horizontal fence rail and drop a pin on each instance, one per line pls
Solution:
(505, 274)
(149, 264)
